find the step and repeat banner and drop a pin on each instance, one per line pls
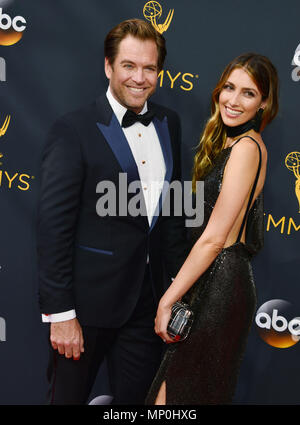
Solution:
(51, 62)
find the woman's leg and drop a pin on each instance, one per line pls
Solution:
(161, 396)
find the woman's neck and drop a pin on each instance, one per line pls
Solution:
(238, 130)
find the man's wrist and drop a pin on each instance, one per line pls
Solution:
(59, 317)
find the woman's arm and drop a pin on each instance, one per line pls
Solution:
(237, 183)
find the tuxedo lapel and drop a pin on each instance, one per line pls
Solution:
(161, 126)
(118, 143)
(162, 130)
(111, 130)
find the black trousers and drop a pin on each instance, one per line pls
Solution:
(133, 353)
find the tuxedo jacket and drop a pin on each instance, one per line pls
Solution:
(96, 264)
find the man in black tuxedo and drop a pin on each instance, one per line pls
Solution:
(101, 276)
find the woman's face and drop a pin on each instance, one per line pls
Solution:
(239, 99)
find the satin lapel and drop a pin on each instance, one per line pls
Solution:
(165, 142)
(117, 141)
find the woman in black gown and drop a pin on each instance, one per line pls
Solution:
(216, 279)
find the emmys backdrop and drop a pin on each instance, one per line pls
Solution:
(51, 62)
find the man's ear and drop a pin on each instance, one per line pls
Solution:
(107, 68)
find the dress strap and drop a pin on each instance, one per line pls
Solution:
(252, 191)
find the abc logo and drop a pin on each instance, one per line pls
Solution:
(277, 324)
(11, 29)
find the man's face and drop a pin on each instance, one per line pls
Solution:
(133, 75)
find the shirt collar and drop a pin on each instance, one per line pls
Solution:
(120, 110)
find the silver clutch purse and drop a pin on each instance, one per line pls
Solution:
(181, 321)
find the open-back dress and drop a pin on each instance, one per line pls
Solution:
(203, 369)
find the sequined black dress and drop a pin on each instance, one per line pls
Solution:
(204, 368)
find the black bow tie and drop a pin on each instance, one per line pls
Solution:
(130, 118)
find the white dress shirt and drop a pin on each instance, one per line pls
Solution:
(146, 150)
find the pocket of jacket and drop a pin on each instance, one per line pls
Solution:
(99, 251)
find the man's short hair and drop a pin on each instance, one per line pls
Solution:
(136, 28)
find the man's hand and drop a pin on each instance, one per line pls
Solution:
(67, 338)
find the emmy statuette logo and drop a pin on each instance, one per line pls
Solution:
(292, 162)
(3, 130)
(288, 225)
(185, 81)
(5, 125)
(152, 12)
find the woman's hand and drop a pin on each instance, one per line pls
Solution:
(161, 322)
